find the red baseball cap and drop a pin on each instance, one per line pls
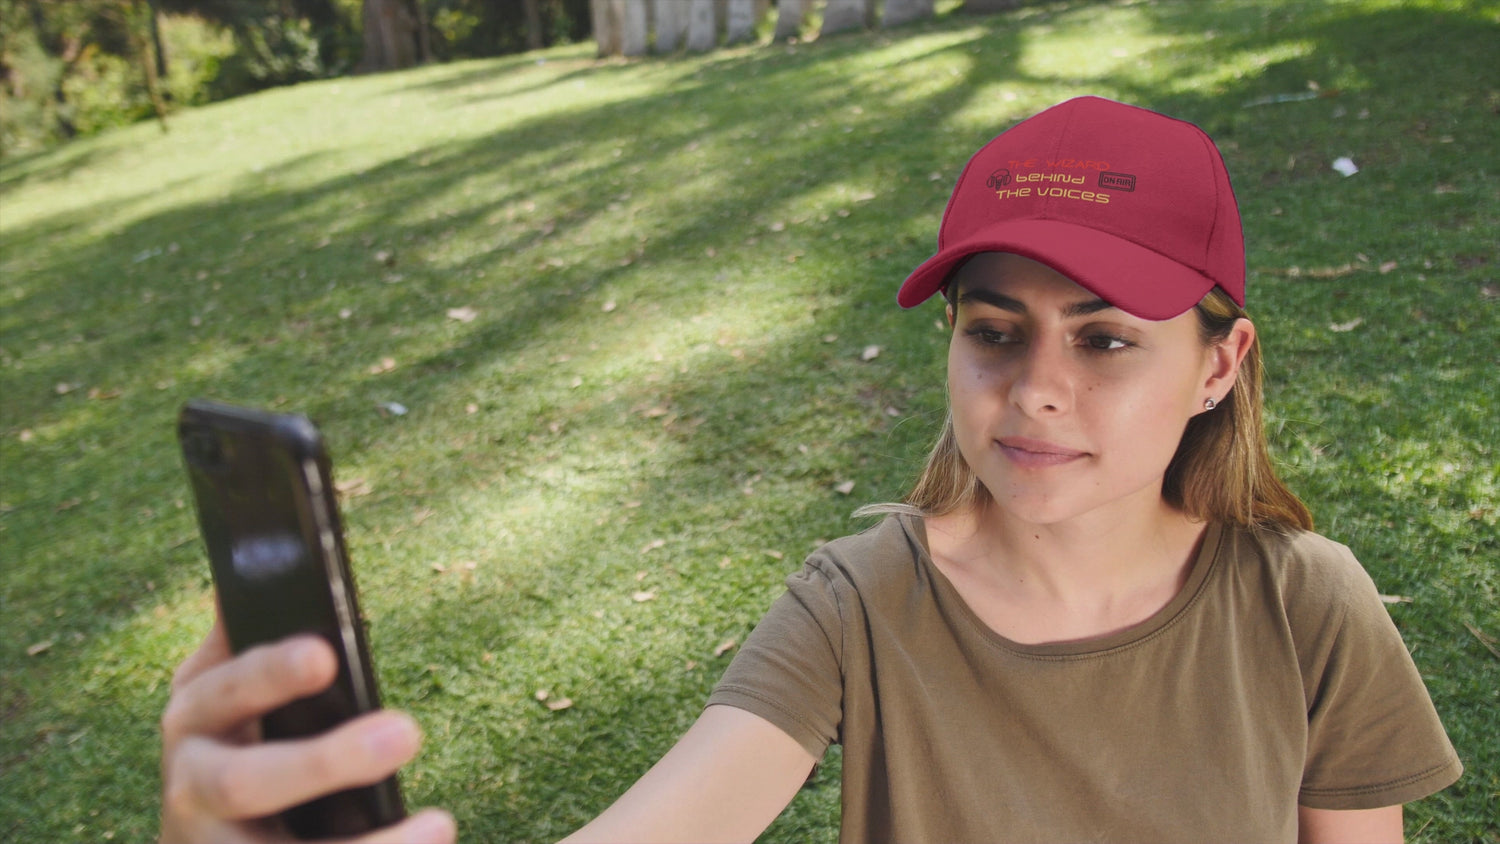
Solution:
(1131, 204)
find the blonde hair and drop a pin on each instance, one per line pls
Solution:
(1222, 469)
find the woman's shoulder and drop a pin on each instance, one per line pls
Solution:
(889, 551)
(1310, 572)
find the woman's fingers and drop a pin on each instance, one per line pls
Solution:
(244, 782)
(226, 694)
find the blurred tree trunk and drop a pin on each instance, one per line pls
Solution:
(671, 24)
(844, 15)
(67, 49)
(635, 28)
(608, 21)
(703, 26)
(161, 55)
(533, 11)
(741, 20)
(898, 12)
(789, 18)
(151, 67)
(393, 37)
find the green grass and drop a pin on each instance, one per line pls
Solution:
(674, 266)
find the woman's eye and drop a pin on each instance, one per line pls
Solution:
(1106, 343)
(991, 336)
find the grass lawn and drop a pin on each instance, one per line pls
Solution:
(626, 305)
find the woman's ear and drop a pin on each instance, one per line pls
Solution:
(1225, 358)
(949, 311)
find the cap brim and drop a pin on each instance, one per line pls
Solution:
(1125, 274)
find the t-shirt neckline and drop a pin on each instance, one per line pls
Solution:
(1204, 563)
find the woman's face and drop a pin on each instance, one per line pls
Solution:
(1063, 405)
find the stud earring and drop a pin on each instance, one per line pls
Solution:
(1209, 404)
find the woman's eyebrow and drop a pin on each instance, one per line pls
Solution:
(1006, 303)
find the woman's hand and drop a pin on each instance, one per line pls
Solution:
(220, 783)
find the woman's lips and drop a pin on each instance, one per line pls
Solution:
(1030, 453)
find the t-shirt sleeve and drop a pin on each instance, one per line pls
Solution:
(789, 670)
(1374, 738)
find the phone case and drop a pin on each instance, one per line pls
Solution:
(262, 485)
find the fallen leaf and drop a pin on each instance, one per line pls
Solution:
(844, 488)
(1395, 599)
(653, 545)
(1344, 327)
(560, 704)
(870, 353)
(352, 488)
(1387, 266)
(464, 314)
(1486, 640)
(1345, 166)
(100, 394)
(725, 647)
(609, 306)
(439, 568)
(385, 365)
(39, 648)
(392, 408)
(385, 257)
(643, 597)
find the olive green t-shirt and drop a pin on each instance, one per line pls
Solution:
(1274, 678)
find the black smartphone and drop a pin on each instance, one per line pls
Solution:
(263, 486)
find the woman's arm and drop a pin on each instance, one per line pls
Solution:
(726, 779)
(1349, 826)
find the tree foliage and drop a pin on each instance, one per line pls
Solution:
(70, 67)
(85, 65)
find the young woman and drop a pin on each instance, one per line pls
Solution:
(1098, 616)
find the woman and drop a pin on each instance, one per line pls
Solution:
(1098, 616)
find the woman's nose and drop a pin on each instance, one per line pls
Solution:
(1043, 383)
